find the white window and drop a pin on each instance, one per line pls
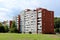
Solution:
(39, 14)
(39, 11)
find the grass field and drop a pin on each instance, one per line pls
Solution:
(14, 36)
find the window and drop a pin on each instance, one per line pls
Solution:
(31, 16)
(31, 24)
(39, 29)
(44, 23)
(33, 21)
(27, 27)
(51, 24)
(39, 12)
(28, 22)
(39, 18)
(44, 15)
(44, 12)
(38, 23)
(24, 16)
(26, 30)
(51, 13)
(40, 26)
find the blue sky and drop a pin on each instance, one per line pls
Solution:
(10, 8)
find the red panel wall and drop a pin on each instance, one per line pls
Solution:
(19, 23)
(10, 24)
(47, 21)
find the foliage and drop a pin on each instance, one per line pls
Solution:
(2, 29)
(57, 30)
(6, 28)
(30, 32)
(13, 29)
(57, 24)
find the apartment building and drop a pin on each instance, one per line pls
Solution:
(5, 23)
(46, 19)
(30, 23)
(10, 23)
(39, 20)
(17, 22)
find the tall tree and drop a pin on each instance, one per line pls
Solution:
(13, 29)
(57, 24)
(2, 29)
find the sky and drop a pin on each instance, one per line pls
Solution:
(10, 8)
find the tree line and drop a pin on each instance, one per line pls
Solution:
(57, 24)
(6, 28)
(13, 29)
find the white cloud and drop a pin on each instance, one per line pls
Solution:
(28, 4)
(1, 0)
(4, 9)
(3, 16)
(10, 7)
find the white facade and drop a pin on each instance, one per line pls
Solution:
(22, 21)
(15, 18)
(29, 21)
(39, 21)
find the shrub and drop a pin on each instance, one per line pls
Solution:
(30, 32)
(13, 30)
(2, 29)
(57, 30)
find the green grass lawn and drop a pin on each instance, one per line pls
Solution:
(14, 36)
